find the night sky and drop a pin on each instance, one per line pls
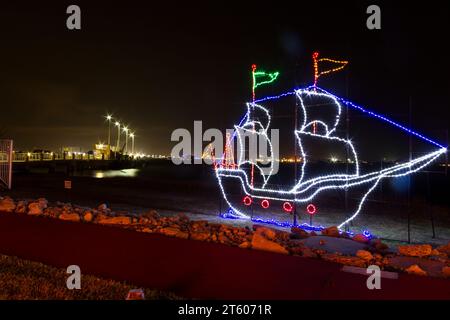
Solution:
(159, 67)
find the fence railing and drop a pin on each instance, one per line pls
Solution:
(6, 158)
(50, 156)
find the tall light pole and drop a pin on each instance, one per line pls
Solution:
(109, 118)
(118, 136)
(132, 143)
(125, 129)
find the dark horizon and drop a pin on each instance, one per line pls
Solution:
(160, 69)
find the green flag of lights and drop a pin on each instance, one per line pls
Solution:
(262, 77)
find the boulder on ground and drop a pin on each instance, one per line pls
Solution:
(444, 249)
(308, 253)
(201, 236)
(299, 249)
(151, 214)
(115, 220)
(169, 231)
(88, 216)
(415, 250)
(182, 217)
(346, 260)
(267, 232)
(70, 217)
(21, 207)
(299, 232)
(415, 269)
(7, 205)
(260, 242)
(360, 238)
(331, 231)
(35, 209)
(446, 272)
(365, 255)
(378, 245)
(43, 202)
(102, 207)
(245, 245)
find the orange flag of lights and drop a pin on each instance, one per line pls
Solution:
(316, 60)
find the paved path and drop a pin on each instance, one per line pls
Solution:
(196, 269)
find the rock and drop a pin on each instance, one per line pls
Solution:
(365, 255)
(331, 232)
(282, 236)
(169, 231)
(136, 294)
(431, 267)
(444, 249)
(21, 207)
(88, 216)
(182, 217)
(312, 234)
(308, 253)
(268, 233)
(54, 212)
(143, 220)
(360, 238)
(415, 250)
(35, 209)
(222, 238)
(151, 214)
(378, 257)
(202, 226)
(446, 272)
(245, 245)
(201, 236)
(435, 252)
(378, 245)
(115, 220)
(102, 207)
(415, 269)
(43, 202)
(260, 242)
(299, 232)
(174, 232)
(7, 205)
(100, 216)
(70, 217)
(346, 260)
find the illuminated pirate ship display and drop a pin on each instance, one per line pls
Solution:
(253, 180)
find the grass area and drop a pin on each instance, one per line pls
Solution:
(26, 280)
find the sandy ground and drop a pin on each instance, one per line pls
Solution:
(197, 195)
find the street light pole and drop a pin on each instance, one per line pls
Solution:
(125, 129)
(118, 136)
(132, 142)
(109, 118)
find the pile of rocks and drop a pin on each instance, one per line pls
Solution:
(331, 245)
